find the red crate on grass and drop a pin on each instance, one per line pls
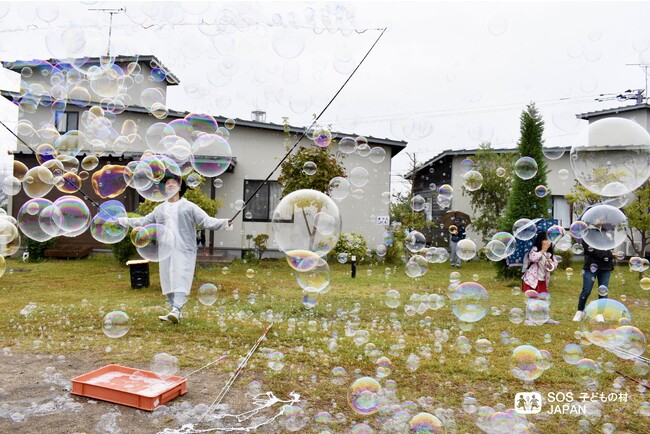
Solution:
(127, 386)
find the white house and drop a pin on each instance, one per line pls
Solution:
(54, 96)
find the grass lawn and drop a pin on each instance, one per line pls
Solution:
(71, 298)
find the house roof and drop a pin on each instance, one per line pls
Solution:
(395, 145)
(153, 61)
(613, 110)
(466, 152)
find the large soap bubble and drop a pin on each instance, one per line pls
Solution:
(211, 155)
(338, 188)
(466, 249)
(469, 301)
(524, 229)
(415, 241)
(75, 215)
(104, 227)
(116, 324)
(602, 318)
(154, 242)
(28, 219)
(614, 157)
(364, 396)
(606, 227)
(526, 168)
(525, 363)
(306, 220)
(164, 365)
(316, 279)
(162, 169)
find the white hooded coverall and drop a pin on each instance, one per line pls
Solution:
(181, 217)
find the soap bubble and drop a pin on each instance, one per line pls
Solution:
(602, 318)
(218, 183)
(155, 242)
(508, 241)
(38, 181)
(28, 219)
(524, 229)
(275, 361)
(572, 354)
(359, 177)
(110, 181)
(418, 203)
(116, 324)
(416, 266)
(342, 258)
(553, 153)
(164, 365)
(630, 342)
(645, 283)
(526, 168)
(469, 301)
(316, 279)
(415, 241)
(322, 137)
(541, 191)
(377, 155)
(383, 367)
(347, 145)
(614, 157)
(525, 362)
(427, 423)
(578, 229)
(207, 294)
(466, 249)
(554, 233)
(516, 315)
(501, 172)
(538, 311)
(309, 168)
(472, 180)
(446, 191)
(294, 222)
(484, 346)
(363, 396)
(392, 298)
(75, 215)
(606, 227)
(211, 155)
(563, 174)
(104, 227)
(338, 188)
(302, 260)
(250, 273)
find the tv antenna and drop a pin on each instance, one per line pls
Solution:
(111, 12)
(638, 95)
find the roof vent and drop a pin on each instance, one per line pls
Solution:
(258, 116)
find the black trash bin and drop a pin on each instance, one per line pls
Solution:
(139, 273)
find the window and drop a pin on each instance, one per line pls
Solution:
(66, 121)
(561, 211)
(261, 206)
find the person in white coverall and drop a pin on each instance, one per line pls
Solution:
(181, 217)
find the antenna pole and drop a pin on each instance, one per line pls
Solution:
(111, 12)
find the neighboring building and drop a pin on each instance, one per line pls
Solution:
(445, 168)
(257, 148)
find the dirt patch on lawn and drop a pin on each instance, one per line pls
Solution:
(35, 398)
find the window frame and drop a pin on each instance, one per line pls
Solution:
(66, 115)
(268, 184)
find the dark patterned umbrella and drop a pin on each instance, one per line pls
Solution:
(523, 247)
(455, 218)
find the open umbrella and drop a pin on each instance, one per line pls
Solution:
(454, 218)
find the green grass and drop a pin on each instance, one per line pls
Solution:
(73, 296)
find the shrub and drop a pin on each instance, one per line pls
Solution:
(36, 249)
(353, 244)
(260, 244)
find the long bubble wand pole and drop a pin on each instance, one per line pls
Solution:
(236, 373)
(304, 133)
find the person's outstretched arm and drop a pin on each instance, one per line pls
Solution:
(203, 220)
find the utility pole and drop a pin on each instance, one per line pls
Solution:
(111, 12)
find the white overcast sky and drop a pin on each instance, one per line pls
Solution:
(444, 75)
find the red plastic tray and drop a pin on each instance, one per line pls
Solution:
(127, 386)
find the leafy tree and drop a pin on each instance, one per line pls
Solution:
(260, 244)
(293, 177)
(522, 201)
(489, 201)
